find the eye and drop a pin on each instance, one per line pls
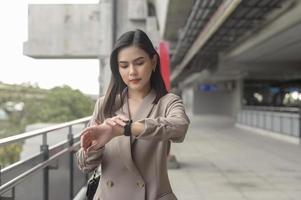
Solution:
(123, 66)
(140, 63)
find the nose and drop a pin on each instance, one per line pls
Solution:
(132, 70)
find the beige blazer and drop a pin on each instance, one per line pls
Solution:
(137, 170)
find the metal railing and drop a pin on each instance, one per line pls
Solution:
(276, 119)
(17, 173)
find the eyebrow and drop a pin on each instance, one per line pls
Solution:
(133, 60)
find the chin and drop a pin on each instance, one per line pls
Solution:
(135, 87)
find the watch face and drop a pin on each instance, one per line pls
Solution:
(127, 128)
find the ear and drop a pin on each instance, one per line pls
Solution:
(155, 61)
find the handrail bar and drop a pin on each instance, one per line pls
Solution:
(272, 108)
(9, 185)
(21, 162)
(29, 134)
(34, 156)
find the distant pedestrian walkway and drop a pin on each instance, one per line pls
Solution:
(222, 162)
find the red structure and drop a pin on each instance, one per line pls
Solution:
(164, 60)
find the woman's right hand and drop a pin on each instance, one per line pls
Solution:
(99, 135)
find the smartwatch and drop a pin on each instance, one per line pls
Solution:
(127, 128)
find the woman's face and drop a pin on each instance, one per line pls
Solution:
(135, 67)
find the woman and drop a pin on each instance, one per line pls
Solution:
(132, 126)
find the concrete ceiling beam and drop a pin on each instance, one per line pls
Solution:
(219, 17)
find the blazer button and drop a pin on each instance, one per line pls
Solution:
(110, 183)
(140, 184)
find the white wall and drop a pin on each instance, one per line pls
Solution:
(221, 102)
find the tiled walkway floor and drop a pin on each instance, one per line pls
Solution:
(222, 162)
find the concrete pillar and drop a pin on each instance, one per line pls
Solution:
(188, 99)
(237, 97)
(106, 32)
(130, 14)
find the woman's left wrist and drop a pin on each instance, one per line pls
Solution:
(119, 130)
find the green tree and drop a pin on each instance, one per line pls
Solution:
(59, 105)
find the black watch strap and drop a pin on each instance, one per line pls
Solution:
(127, 128)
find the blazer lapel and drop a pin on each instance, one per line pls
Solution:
(124, 143)
(144, 109)
(146, 106)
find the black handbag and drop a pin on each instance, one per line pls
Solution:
(92, 185)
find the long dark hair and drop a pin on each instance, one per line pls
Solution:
(114, 98)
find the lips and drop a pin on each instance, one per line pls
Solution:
(135, 80)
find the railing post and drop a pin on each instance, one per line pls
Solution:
(299, 121)
(0, 175)
(281, 124)
(13, 193)
(0, 178)
(45, 150)
(71, 141)
(86, 175)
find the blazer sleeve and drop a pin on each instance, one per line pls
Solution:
(173, 126)
(90, 160)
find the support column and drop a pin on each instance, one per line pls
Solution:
(107, 32)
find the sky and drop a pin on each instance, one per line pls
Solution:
(16, 68)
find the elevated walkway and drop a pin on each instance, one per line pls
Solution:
(220, 161)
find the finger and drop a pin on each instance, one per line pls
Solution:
(82, 133)
(90, 131)
(83, 140)
(122, 117)
(86, 139)
(110, 122)
(85, 131)
(87, 143)
(119, 121)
